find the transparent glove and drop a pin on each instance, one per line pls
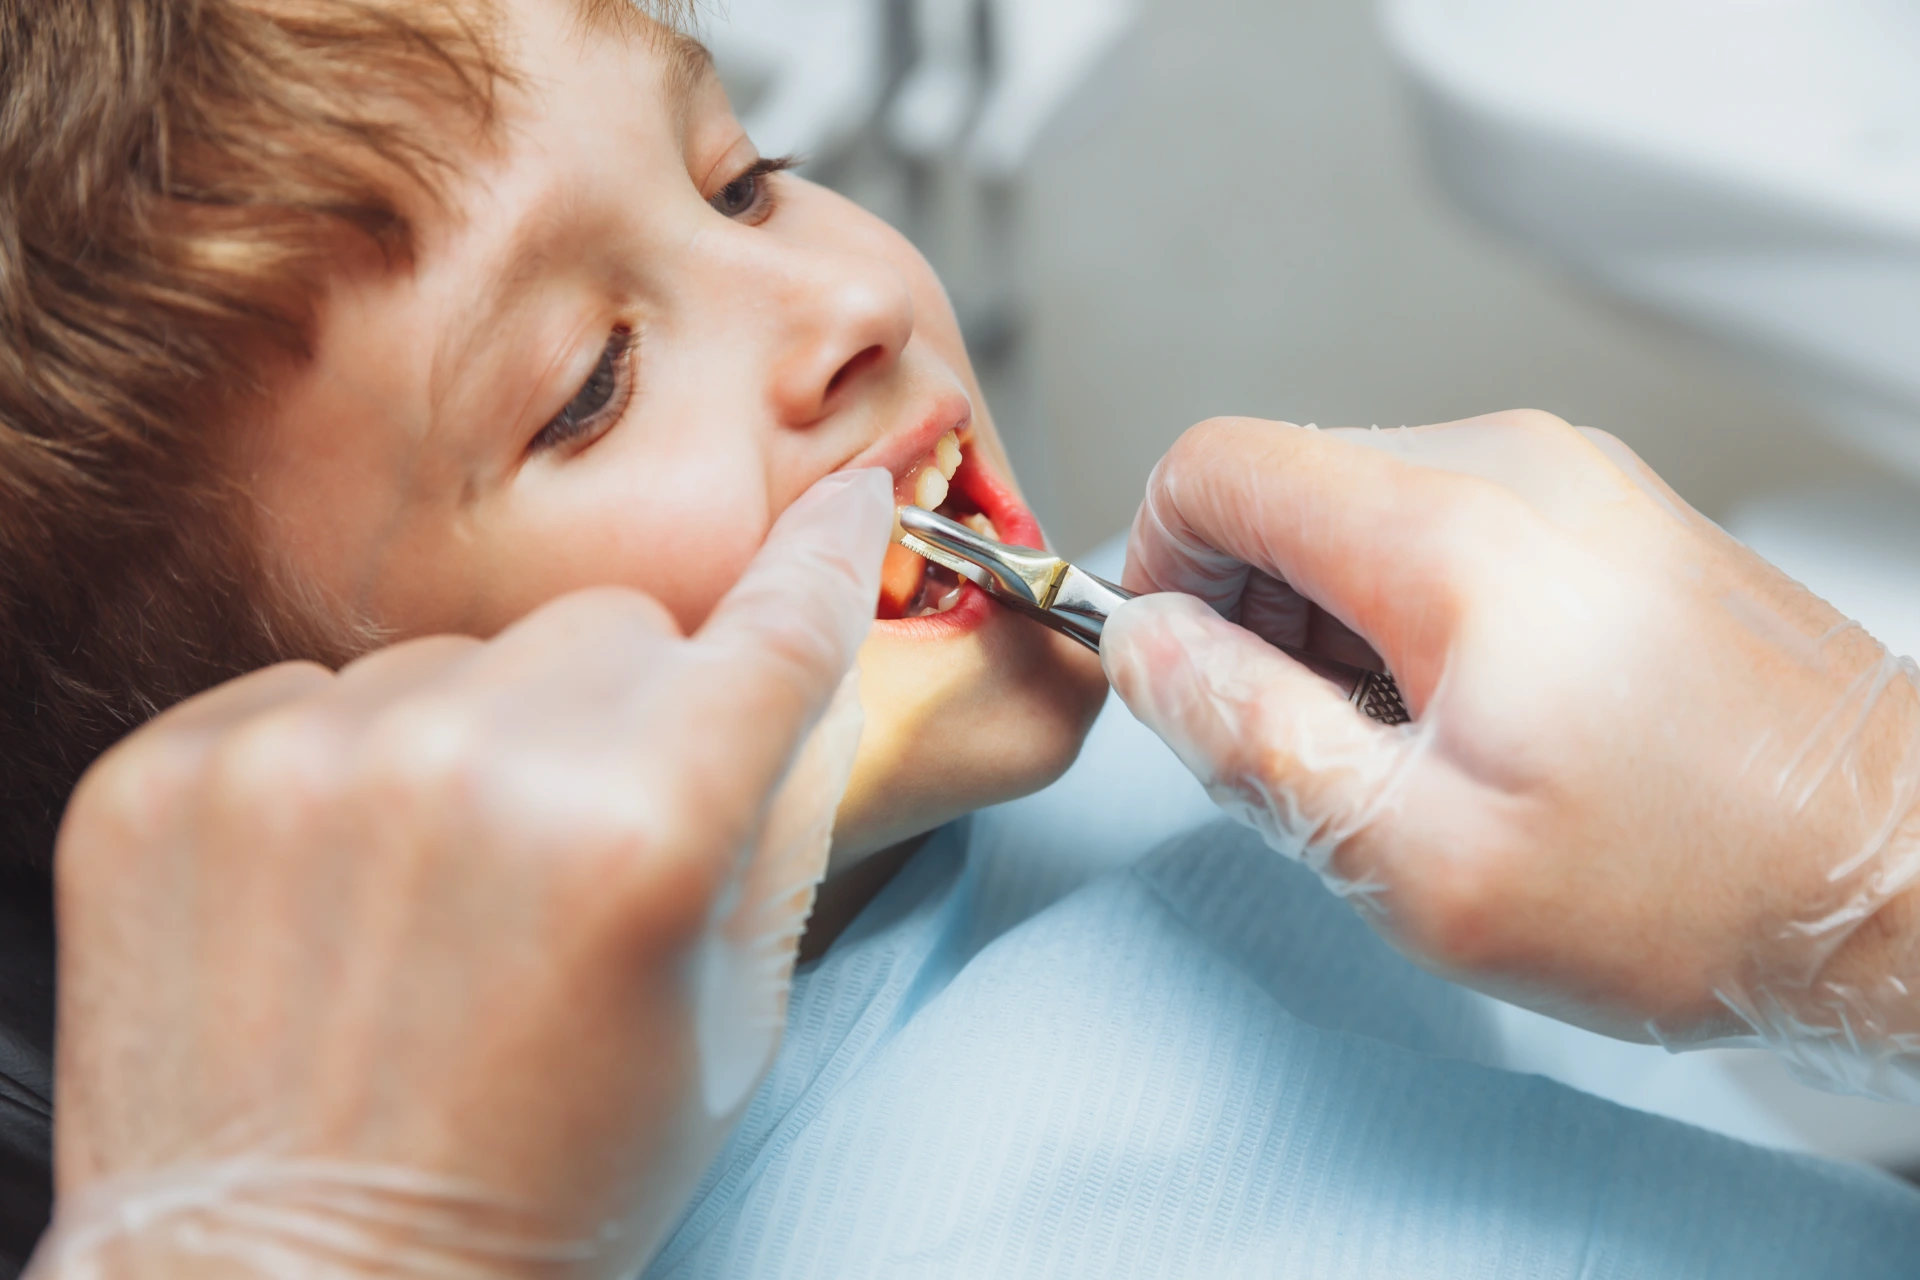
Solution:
(458, 963)
(1653, 787)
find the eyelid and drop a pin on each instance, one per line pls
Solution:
(765, 167)
(558, 433)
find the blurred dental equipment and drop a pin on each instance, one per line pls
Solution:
(1749, 170)
(932, 76)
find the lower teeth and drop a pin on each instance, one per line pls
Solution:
(938, 594)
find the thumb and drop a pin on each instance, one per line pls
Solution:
(1276, 746)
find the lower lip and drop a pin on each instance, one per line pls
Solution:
(1016, 524)
(974, 611)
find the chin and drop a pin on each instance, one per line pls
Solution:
(967, 703)
(959, 720)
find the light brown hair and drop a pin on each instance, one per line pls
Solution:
(176, 177)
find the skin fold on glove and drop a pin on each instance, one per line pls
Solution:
(458, 962)
(1653, 787)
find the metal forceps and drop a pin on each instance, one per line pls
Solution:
(1068, 599)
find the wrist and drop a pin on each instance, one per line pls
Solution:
(263, 1220)
(157, 1254)
(1833, 985)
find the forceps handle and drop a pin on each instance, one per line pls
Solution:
(1083, 603)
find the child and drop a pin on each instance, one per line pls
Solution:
(328, 324)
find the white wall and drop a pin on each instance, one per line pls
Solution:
(1236, 221)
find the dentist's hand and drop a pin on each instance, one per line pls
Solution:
(1654, 786)
(461, 961)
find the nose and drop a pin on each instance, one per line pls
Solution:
(847, 320)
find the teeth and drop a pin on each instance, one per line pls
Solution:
(931, 489)
(946, 454)
(979, 523)
(940, 594)
(931, 481)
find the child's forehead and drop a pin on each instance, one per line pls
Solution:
(634, 32)
(656, 23)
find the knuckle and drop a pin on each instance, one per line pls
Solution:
(135, 790)
(649, 867)
(411, 653)
(151, 784)
(1206, 452)
(1208, 438)
(292, 761)
(1537, 421)
(1621, 456)
(299, 675)
(427, 750)
(142, 771)
(1266, 755)
(1608, 440)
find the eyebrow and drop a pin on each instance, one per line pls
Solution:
(689, 64)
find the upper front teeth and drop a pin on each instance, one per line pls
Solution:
(931, 489)
(933, 484)
(946, 454)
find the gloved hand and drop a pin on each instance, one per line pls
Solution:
(1653, 786)
(458, 963)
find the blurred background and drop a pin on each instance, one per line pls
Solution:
(1225, 208)
(1695, 223)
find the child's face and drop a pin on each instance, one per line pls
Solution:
(625, 353)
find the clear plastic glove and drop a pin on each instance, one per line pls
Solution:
(460, 962)
(1654, 786)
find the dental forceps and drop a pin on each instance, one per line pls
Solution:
(1066, 598)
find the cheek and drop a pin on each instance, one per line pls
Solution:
(680, 525)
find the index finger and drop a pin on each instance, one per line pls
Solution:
(787, 634)
(1379, 542)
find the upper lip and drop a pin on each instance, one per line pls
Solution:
(900, 451)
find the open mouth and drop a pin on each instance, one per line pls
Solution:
(956, 482)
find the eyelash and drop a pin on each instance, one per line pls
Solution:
(762, 200)
(582, 418)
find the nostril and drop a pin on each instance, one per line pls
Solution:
(854, 368)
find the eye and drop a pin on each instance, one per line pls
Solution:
(749, 197)
(600, 400)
